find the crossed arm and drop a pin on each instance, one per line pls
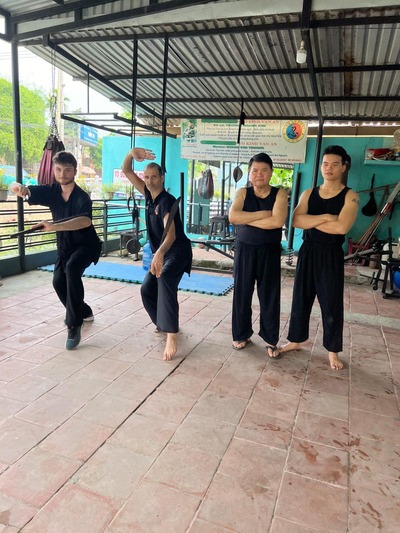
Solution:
(259, 219)
(334, 224)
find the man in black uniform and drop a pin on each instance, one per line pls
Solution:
(77, 242)
(172, 257)
(259, 212)
(325, 213)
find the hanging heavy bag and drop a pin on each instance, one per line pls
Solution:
(370, 208)
(206, 185)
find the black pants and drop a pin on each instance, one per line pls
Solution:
(67, 282)
(160, 295)
(319, 272)
(261, 264)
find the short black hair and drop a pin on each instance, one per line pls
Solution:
(261, 158)
(155, 165)
(335, 149)
(65, 158)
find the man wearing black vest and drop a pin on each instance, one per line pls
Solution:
(325, 213)
(172, 252)
(259, 212)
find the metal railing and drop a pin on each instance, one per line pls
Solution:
(110, 219)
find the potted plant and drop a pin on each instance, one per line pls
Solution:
(108, 190)
(84, 184)
(3, 187)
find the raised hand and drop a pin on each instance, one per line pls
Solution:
(141, 154)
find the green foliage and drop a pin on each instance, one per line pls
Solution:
(283, 178)
(96, 153)
(33, 123)
(3, 184)
(110, 187)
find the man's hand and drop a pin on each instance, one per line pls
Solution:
(141, 154)
(157, 264)
(19, 189)
(45, 225)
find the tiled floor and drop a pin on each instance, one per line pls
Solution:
(110, 438)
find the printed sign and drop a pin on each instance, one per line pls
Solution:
(215, 140)
(88, 136)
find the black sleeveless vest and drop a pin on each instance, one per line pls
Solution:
(257, 236)
(321, 206)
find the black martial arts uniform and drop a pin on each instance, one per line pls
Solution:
(160, 295)
(320, 272)
(257, 259)
(76, 249)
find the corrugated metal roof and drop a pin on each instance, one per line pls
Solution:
(352, 68)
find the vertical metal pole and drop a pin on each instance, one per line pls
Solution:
(88, 87)
(182, 195)
(317, 153)
(293, 203)
(18, 149)
(164, 105)
(134, 91)
(191, 196)
(223, 190)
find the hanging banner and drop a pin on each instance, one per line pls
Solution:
(207, 139)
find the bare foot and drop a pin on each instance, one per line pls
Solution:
(336, 363)
(171, 347)
(288, 347)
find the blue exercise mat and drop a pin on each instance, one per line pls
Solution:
(204, 283)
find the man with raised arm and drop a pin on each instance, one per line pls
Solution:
(172, 256)
(78, 244)
(325, 213)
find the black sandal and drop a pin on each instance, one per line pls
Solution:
(273, 350)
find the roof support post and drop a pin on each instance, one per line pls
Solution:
(135, 53)
(317, 152)
(18, 149)
(164, 105)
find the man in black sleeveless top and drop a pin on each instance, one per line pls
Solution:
(259, 211)
(325, 213)
(172, 257)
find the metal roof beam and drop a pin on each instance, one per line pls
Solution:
(98, 77)
(247, 73)
(293, 25)
(82, 22)
(350, 118)
(273, 100)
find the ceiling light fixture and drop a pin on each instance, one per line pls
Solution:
(301, 56)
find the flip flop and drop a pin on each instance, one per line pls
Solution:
(245, 343)
(273, 350)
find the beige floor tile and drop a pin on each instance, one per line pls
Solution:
(314, 504)
(322, 429)
(265, 429)
(319, 462)
(237, 505)
(76, 439)
(37, 476)
(113, 472)
(75, 509)
(175, 510)
(143, 435)
(253, 463)
(184, 469)
(325, 404)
